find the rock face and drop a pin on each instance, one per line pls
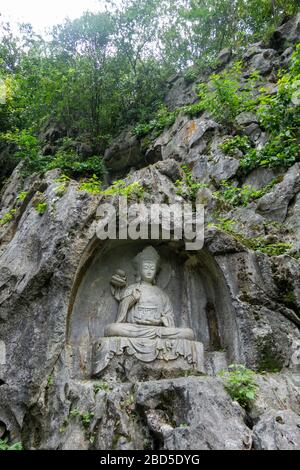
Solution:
(242, 303)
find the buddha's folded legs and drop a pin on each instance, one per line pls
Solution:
(132, 330)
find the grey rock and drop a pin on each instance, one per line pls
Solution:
(253, 50)
(180, 94)
(263, 62)
(275, 392)
(260, 177)
(253, 131)
(277, 431)
(288, 33)
(293, 219)
(285, 57)
(274, 205)
(246, 118)
(124, 153)
(224, 56)
(193, 414)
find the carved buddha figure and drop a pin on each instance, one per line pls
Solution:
(144, 309)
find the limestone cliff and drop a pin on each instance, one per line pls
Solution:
(247, 300)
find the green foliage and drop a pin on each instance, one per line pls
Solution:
(223, 96)
(121, 188)
(282, 150)
(193, 110)
(85, 417)
(224, 224)
(5, 446)
(240, 384)
(41, 207)
(105, 71)
(91, 185)
(161, 120)
(74, 413)
(260, 244)
(8, 217)
(271, 249)
(63, 181)
(237, 196)
(22, 196)
(231, 145)
(72, 164)
(104, 386)
(279, 114)
(188, 186)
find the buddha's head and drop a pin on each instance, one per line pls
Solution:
(147, 264)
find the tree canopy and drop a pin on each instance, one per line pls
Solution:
(99, 73)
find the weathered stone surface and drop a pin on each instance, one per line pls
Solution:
(181, 93)
(243, 305)
(260, 177)
(124, 153)
(253, 50)
(289, 32)
(276, 392)
(278, 430)
(193, 414)
(274, 205)
(224, 56)
(263, 62)
(246, 118)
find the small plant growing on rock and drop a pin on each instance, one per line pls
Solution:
(240, 383)
(63, 181)
(188, 186)
(91, 185)
(121, 188)
(22, 196)
(8, 217)
(86, 418)
(104, 386)
(5, 446)
(41, 207)
(231, 145)
(242, 196)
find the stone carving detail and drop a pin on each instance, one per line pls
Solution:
(145, 326)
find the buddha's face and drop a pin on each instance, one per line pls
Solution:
(148, 271)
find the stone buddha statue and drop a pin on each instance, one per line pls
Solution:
(145, 326)
(145, 310)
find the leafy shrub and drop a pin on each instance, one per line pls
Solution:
(271, 249)
(41, 207)
(91, 185)
(281, 151)
(279, 115)
(224, 97)
(162, 119)
(8, 217)
(188, 186)
(193, 110)
(120, 188)
(5, 446)
(237, 196)
(63, 181)
(240, 384)
(29, 151)
(22, 196)
(231, 145)
(72, 164)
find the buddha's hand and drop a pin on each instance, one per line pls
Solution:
(119, 279)
(136, 293)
